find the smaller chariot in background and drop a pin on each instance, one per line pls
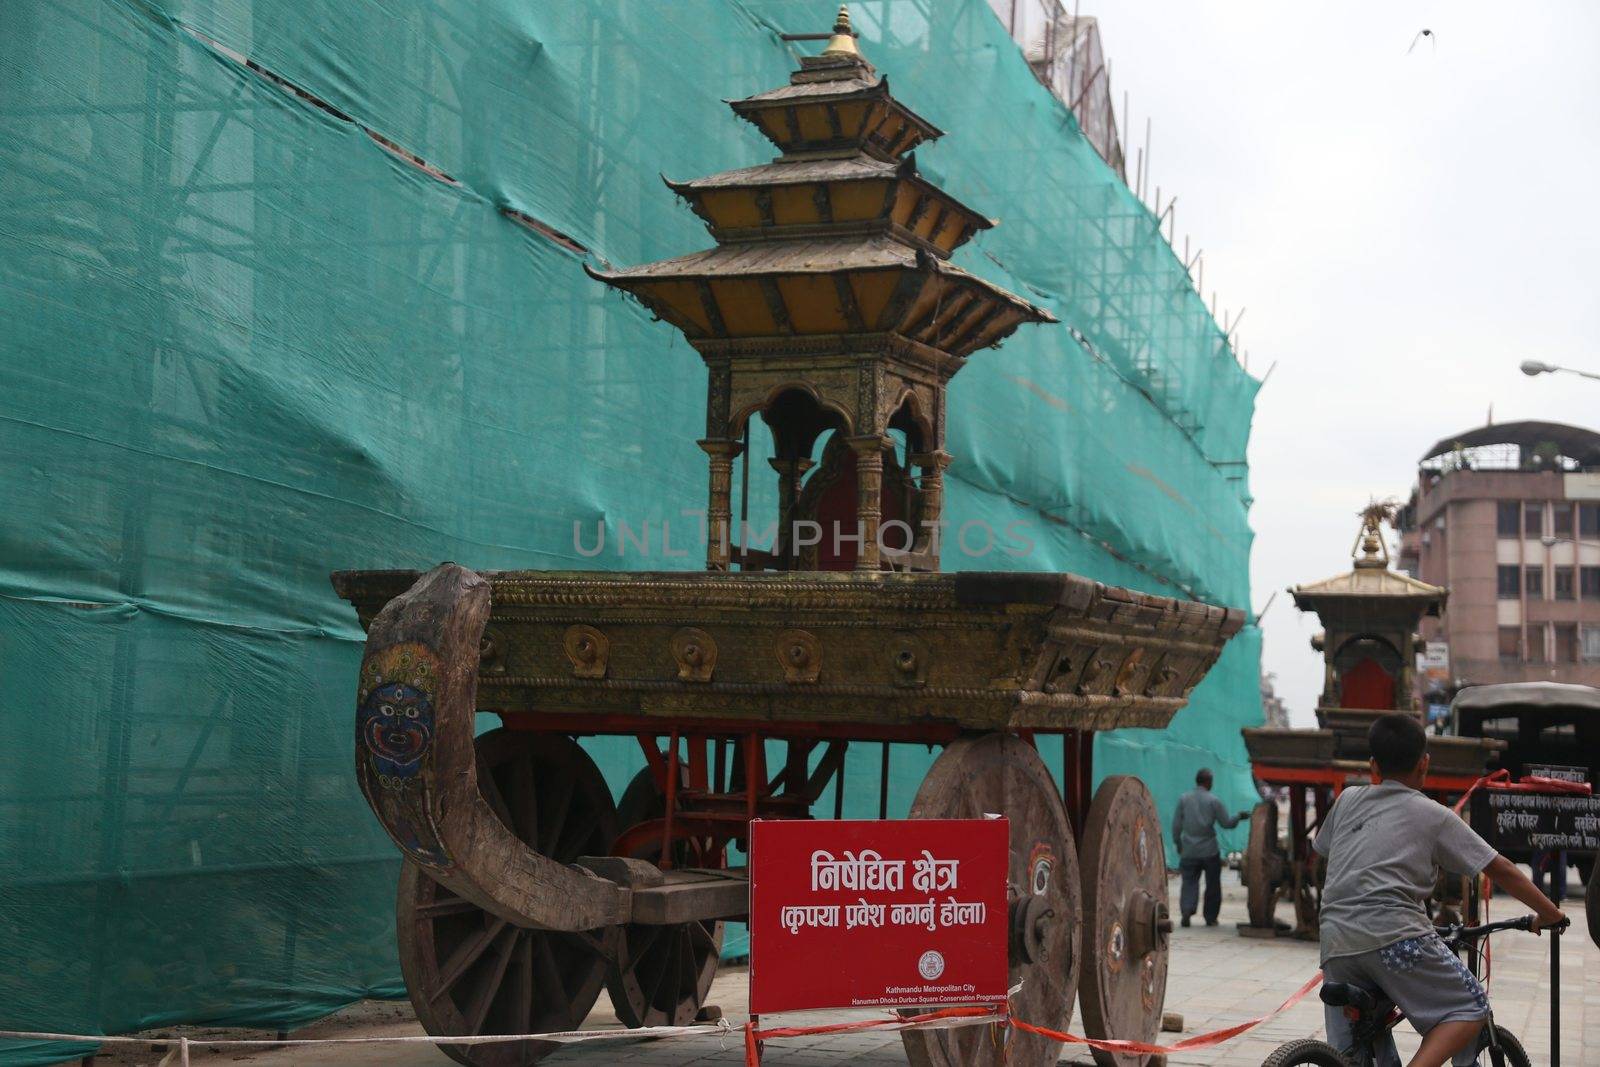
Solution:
(1369, 645)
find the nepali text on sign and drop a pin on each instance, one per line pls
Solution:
(873, 913)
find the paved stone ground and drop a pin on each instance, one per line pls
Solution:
(1216, 978)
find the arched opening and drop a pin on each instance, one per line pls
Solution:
(1368, 671)
(913, 424)
(821, 461)
(797, 418)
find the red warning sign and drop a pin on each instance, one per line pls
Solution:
(868, 913)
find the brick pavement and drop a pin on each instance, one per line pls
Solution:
(1216, 978)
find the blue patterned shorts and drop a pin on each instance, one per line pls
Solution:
(1421, 976)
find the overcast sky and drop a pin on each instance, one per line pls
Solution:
(1403, 229)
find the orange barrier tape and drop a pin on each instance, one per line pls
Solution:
(1531, 783)
(946, 1017)
(1215, 1037)
(752, 1053)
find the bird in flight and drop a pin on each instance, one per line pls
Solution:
(1420, 35)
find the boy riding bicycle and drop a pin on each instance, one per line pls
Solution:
(1384, 845)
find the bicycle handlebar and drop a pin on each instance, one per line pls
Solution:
(1522, 922)
(1473, 933)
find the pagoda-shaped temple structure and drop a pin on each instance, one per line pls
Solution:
(830, 304)
(1369, 640)
(1369, 643)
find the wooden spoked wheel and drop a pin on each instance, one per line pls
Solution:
(1265, 866)
(662, 974)
(470, 972)
(1449, 900)
(1002, 774)
(1309, 875)
(1126, 924)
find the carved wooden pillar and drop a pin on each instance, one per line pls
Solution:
(790, 472)
(869, 496)
(931, 484)
(719, 509)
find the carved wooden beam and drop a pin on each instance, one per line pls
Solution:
(417, 765)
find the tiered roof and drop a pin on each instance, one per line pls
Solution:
(1370, 580)
(839, 235)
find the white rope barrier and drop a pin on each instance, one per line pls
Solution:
(721, 1028)
(179, 1057)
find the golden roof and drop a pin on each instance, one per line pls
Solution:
(827, 286)
(1367, 582)
(855, 194)
(838, 236)
(1370, 577)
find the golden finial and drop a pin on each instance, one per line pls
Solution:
(1369, 542)
(843, 41)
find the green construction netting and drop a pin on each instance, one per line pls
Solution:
(243, 343)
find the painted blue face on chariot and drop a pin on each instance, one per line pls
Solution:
(396, 725)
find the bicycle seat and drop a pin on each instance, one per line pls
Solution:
(1348, 995)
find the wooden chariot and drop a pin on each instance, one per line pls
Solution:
(1369, 645)
(829, 309)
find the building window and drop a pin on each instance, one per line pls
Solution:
(1591, 644)
(1566, 642)
(1563, 584)
(1561, 519)
(1589, 580)
(1533, 520)
(1589, 520)
(1535, 644)
(1511, 642)
(1510, 582)
(1508, 519)
(1533, 581)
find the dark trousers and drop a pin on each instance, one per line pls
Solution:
(1189, 895)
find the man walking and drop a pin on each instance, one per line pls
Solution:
(1194, 832)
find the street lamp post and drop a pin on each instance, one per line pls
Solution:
(1533, 368)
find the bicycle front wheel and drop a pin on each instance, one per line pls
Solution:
(1509, 1054)
(1307, 1052)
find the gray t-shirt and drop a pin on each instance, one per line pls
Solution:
(1193, 824)
(1385, 845)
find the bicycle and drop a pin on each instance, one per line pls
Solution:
(1372, 1016)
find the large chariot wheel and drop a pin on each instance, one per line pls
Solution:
(1265, 866)
(469, 972)
(662, 974)
(1310, 873)
(1126, 924)
(1002, 774)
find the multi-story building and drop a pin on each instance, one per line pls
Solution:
(1508, 517)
